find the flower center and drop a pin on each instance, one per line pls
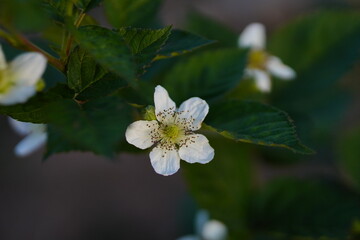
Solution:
(5, 83)
(40, 85)
(257, 59)
(172, 132)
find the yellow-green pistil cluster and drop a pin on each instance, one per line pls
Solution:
(172, 133)
(5, 83)
(258, 59)
(173, 136)
(169, 135)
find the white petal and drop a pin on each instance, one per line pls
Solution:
(28, 68)
(22, 128)
(189, 237)
(164, 106)
(194, 108)
(165, 162)
(202, 217)
(30, 144)
(17, 94)
(142, 134)
(277, 68)
(262, 79)
(38, 128)
(253, 36)
(214, 230)
(196, 148)
(2, 59)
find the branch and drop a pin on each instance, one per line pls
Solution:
(27, 45)
(71, 38)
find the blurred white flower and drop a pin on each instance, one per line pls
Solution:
(261, 64)
(207, 229)
(172, 133)
(19, 79)
(35, 137)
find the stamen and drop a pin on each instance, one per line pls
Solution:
(257, 59)
(171, 135)
(5, 83)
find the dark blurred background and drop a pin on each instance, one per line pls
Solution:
(80, 196)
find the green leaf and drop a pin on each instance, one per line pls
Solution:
(96, 126)
(311, 209)
(282, 236)
(143, 96)
(62, 12)
(107, 85)
(88, 79)
(16, 14)
(223, 186)
(82, 70)
(108, 49)
(321, 59)
(35, 109)
(136, 13)
(207, 75)
(256, 123)
(86, 5)
(349, 156)
(145, 43)
(59, 11)
(211, 29)
(318, 38)
(181, 42)
(145, 40)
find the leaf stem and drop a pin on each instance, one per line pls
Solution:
(71, 38)
(8, 37)
(27, 45)
(19, 41)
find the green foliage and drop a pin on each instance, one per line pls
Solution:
(306, 209)
(318, 38)
(107, 85)
(223, 186)
(329, 47)
(60, 11)
(349, 156)
(105, 68)
(145, 40)
(211, 29)
(88, 79)
(64, 10)
(178, 43)
(145, 43)
(280, 236)
(82, 70)
(136, 13)
(254, 122)
(181, 42)
(35, 110)
(208, 75)
(85, 5)
(30, 9)
(108, 49)
(148, 45)
(55, 9)
(96, 126)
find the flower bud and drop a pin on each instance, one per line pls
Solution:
(149, 113)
